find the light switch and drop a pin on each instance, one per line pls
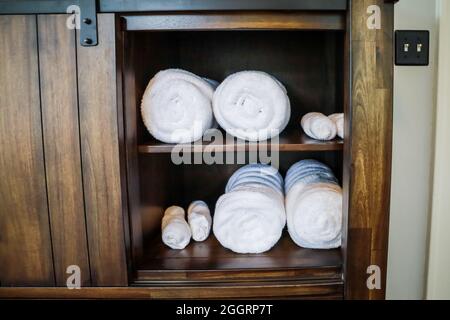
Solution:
(412, 47)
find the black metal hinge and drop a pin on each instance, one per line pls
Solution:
(88, 23)
(84, 11)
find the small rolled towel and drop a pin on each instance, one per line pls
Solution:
(313, 205)
(200, 220)
(338, 119)
(318, 126)
(175, 230)
(176, 106)
(252, 105)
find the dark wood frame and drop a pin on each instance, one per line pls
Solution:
(107, 193)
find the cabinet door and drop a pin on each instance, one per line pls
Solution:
(59, 101)
(25, 242)
(61, 195)
(100, 132)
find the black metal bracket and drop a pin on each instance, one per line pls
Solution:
(85, 11)
(88, 23)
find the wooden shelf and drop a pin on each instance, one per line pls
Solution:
(253, 20)
(209, 261)
(293, 141)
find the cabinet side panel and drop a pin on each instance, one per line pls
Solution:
(58, 76)
(369, 155)
(100, 156)
(25, 241)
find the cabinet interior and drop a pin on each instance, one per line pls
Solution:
(309, 63)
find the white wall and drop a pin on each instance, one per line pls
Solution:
(438, 284)
(414, 111)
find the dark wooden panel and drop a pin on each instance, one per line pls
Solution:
(25, 243)
(109, 6)
(237, 21)
(360, 253)
(170, 5)
(58, 76)
(267, 290)
(99, 130)
(369, 154)
(346, 169)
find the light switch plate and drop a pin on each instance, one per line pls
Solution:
(412, 47)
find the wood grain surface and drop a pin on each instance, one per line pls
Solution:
(58, 79)
(25, 242)
(368, 156)
(99, 132)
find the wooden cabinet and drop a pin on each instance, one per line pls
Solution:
(83, 183)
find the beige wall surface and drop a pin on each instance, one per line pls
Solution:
(438, 284)
(413, 148)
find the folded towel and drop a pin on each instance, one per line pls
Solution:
(176, 106)
(313, 205)
(249, 219)
(252, 105)
(338, 119)
(256, 173)
(318, 126)
(308, 171)
(175, 230)
(200, 220)
(259, 169)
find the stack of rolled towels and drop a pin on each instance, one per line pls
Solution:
(313, 205)
(176, 232)
(250, 216)
(179, 106)
(320, 127)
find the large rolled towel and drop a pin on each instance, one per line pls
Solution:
(176, 106)
(200, 220)
(252, 105)
(338, 119)
(175, 231)
(314, 215)
(318, 126)
(249, 219)
(313, 205)
(250, 216)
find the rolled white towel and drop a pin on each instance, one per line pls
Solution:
(318, 126)
(338, 119)
(200, 220)
(174, 228)
(249, 219)
(252, 105)
(314, 215)
(176, 106)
